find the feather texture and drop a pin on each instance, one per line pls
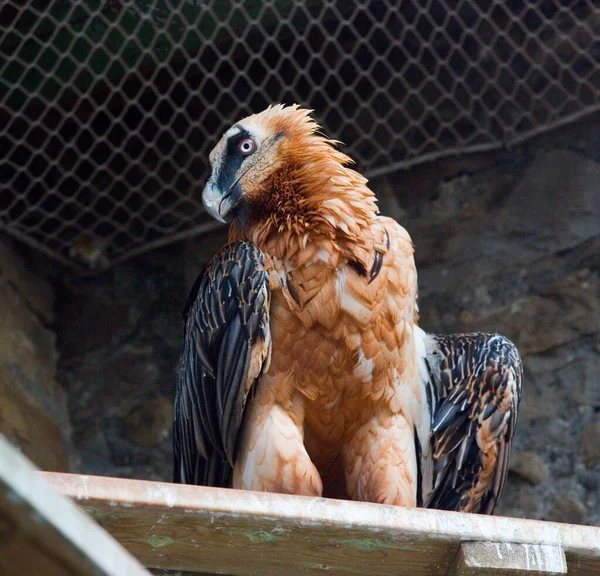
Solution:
(304, 370)
(226, 347)
(479, 382)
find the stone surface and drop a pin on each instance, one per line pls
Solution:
(99, 319)
(149, 423)
(29, 428)
(37, 295)
(590, 445)
(33, 406)
(569, 510)
(518, 500)
(121, 376)
(566, 311)
(529, 466)
(556, 204)
(526, 263)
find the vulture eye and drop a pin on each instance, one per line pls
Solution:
(247, 146)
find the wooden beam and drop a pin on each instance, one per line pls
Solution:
(503, 559)
(202, 529)
(41, 532)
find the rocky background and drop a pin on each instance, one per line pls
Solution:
(33, 405)
(514, 247)
(508, 242)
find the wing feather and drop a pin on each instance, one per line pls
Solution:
(479, 380)
(227, 344)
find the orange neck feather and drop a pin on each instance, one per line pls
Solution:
(312, 202)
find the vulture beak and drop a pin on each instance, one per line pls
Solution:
(216, 204)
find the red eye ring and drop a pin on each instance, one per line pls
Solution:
(247, 146)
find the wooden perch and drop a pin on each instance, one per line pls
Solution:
(43, 533)
(246, 533)
(504, 559)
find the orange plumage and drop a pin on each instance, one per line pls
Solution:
(337, 395)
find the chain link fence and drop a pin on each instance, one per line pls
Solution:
(108, 109)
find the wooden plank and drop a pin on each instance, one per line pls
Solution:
(504, 559)
(201, 529)
(41, 532)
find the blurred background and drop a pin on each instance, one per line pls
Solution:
(476, 122)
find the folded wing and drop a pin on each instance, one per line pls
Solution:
(227, 346)
(478, 378)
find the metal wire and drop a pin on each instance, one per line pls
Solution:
(108, 109)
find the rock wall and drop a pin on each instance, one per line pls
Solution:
(515, 248)
(119, 337)
(33, 406)
(508, 243)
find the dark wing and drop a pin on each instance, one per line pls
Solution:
(227, 346)
(478, 379)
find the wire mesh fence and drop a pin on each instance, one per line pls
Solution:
(108, 109)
